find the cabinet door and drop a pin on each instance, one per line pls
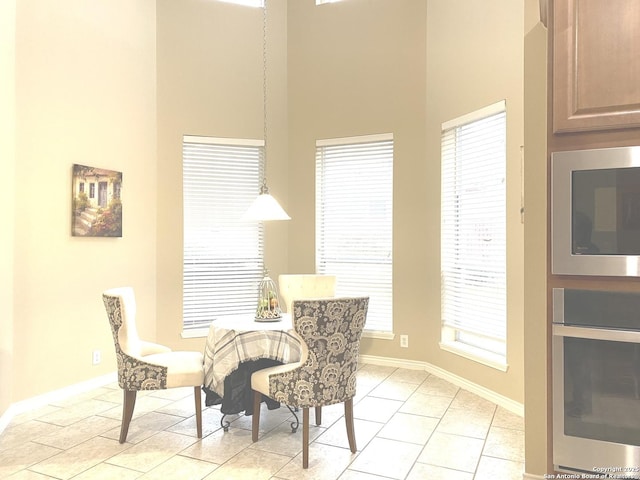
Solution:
(596, 65)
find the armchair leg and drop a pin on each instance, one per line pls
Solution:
(348, 417)
(198, 397)
(318, 416)
(305, 437)
(127, 412)
(255, 420)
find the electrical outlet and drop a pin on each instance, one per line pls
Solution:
(404, 341)
(96, 357)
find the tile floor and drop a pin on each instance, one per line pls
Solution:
(409, 426)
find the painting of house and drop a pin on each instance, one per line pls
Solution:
(97, 205)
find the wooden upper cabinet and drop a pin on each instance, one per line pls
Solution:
(596, 65)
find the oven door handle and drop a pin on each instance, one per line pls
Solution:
(629, 336)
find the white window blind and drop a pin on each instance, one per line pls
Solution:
(473, 234)
(354, 195)
(223, 256)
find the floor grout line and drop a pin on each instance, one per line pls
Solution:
(197, 455)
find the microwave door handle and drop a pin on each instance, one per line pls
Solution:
(628, 336)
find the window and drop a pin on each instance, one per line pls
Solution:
(354, 195)
(473, 235)
(92, 190)
(223, 256)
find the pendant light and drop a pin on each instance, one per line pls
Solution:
(265, 207)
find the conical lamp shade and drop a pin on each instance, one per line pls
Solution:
(265, 208)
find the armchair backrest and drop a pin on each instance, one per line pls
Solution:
(332, 329)
(305, 286)
(121, 310)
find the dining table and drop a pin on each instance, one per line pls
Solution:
(235, 341)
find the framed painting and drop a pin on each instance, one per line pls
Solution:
(97, 203)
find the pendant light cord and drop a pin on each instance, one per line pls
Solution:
(264, 188)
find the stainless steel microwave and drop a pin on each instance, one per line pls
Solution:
(595, 212)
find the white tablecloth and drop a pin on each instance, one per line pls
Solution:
(239, 338)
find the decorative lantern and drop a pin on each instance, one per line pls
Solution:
(268, 301)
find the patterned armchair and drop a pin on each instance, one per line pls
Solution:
(145, 365)
(304, 286)
(330, 330)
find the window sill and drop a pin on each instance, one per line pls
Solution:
(477, 355)
(378, 334)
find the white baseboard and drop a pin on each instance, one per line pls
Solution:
(501, 400)
(53, 396)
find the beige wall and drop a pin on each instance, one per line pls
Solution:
(363, 67)
(358, 68)
(7, 195)
(210, 73)
(85, 93)
(474, 60)
(536, 364)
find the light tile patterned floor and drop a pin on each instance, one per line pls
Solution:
(409, 426)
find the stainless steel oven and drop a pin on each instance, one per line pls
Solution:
(596, 389)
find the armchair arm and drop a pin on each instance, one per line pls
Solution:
(149, 348)
(134, 373)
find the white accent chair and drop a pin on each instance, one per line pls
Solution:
(305, 286)
(145, 365)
